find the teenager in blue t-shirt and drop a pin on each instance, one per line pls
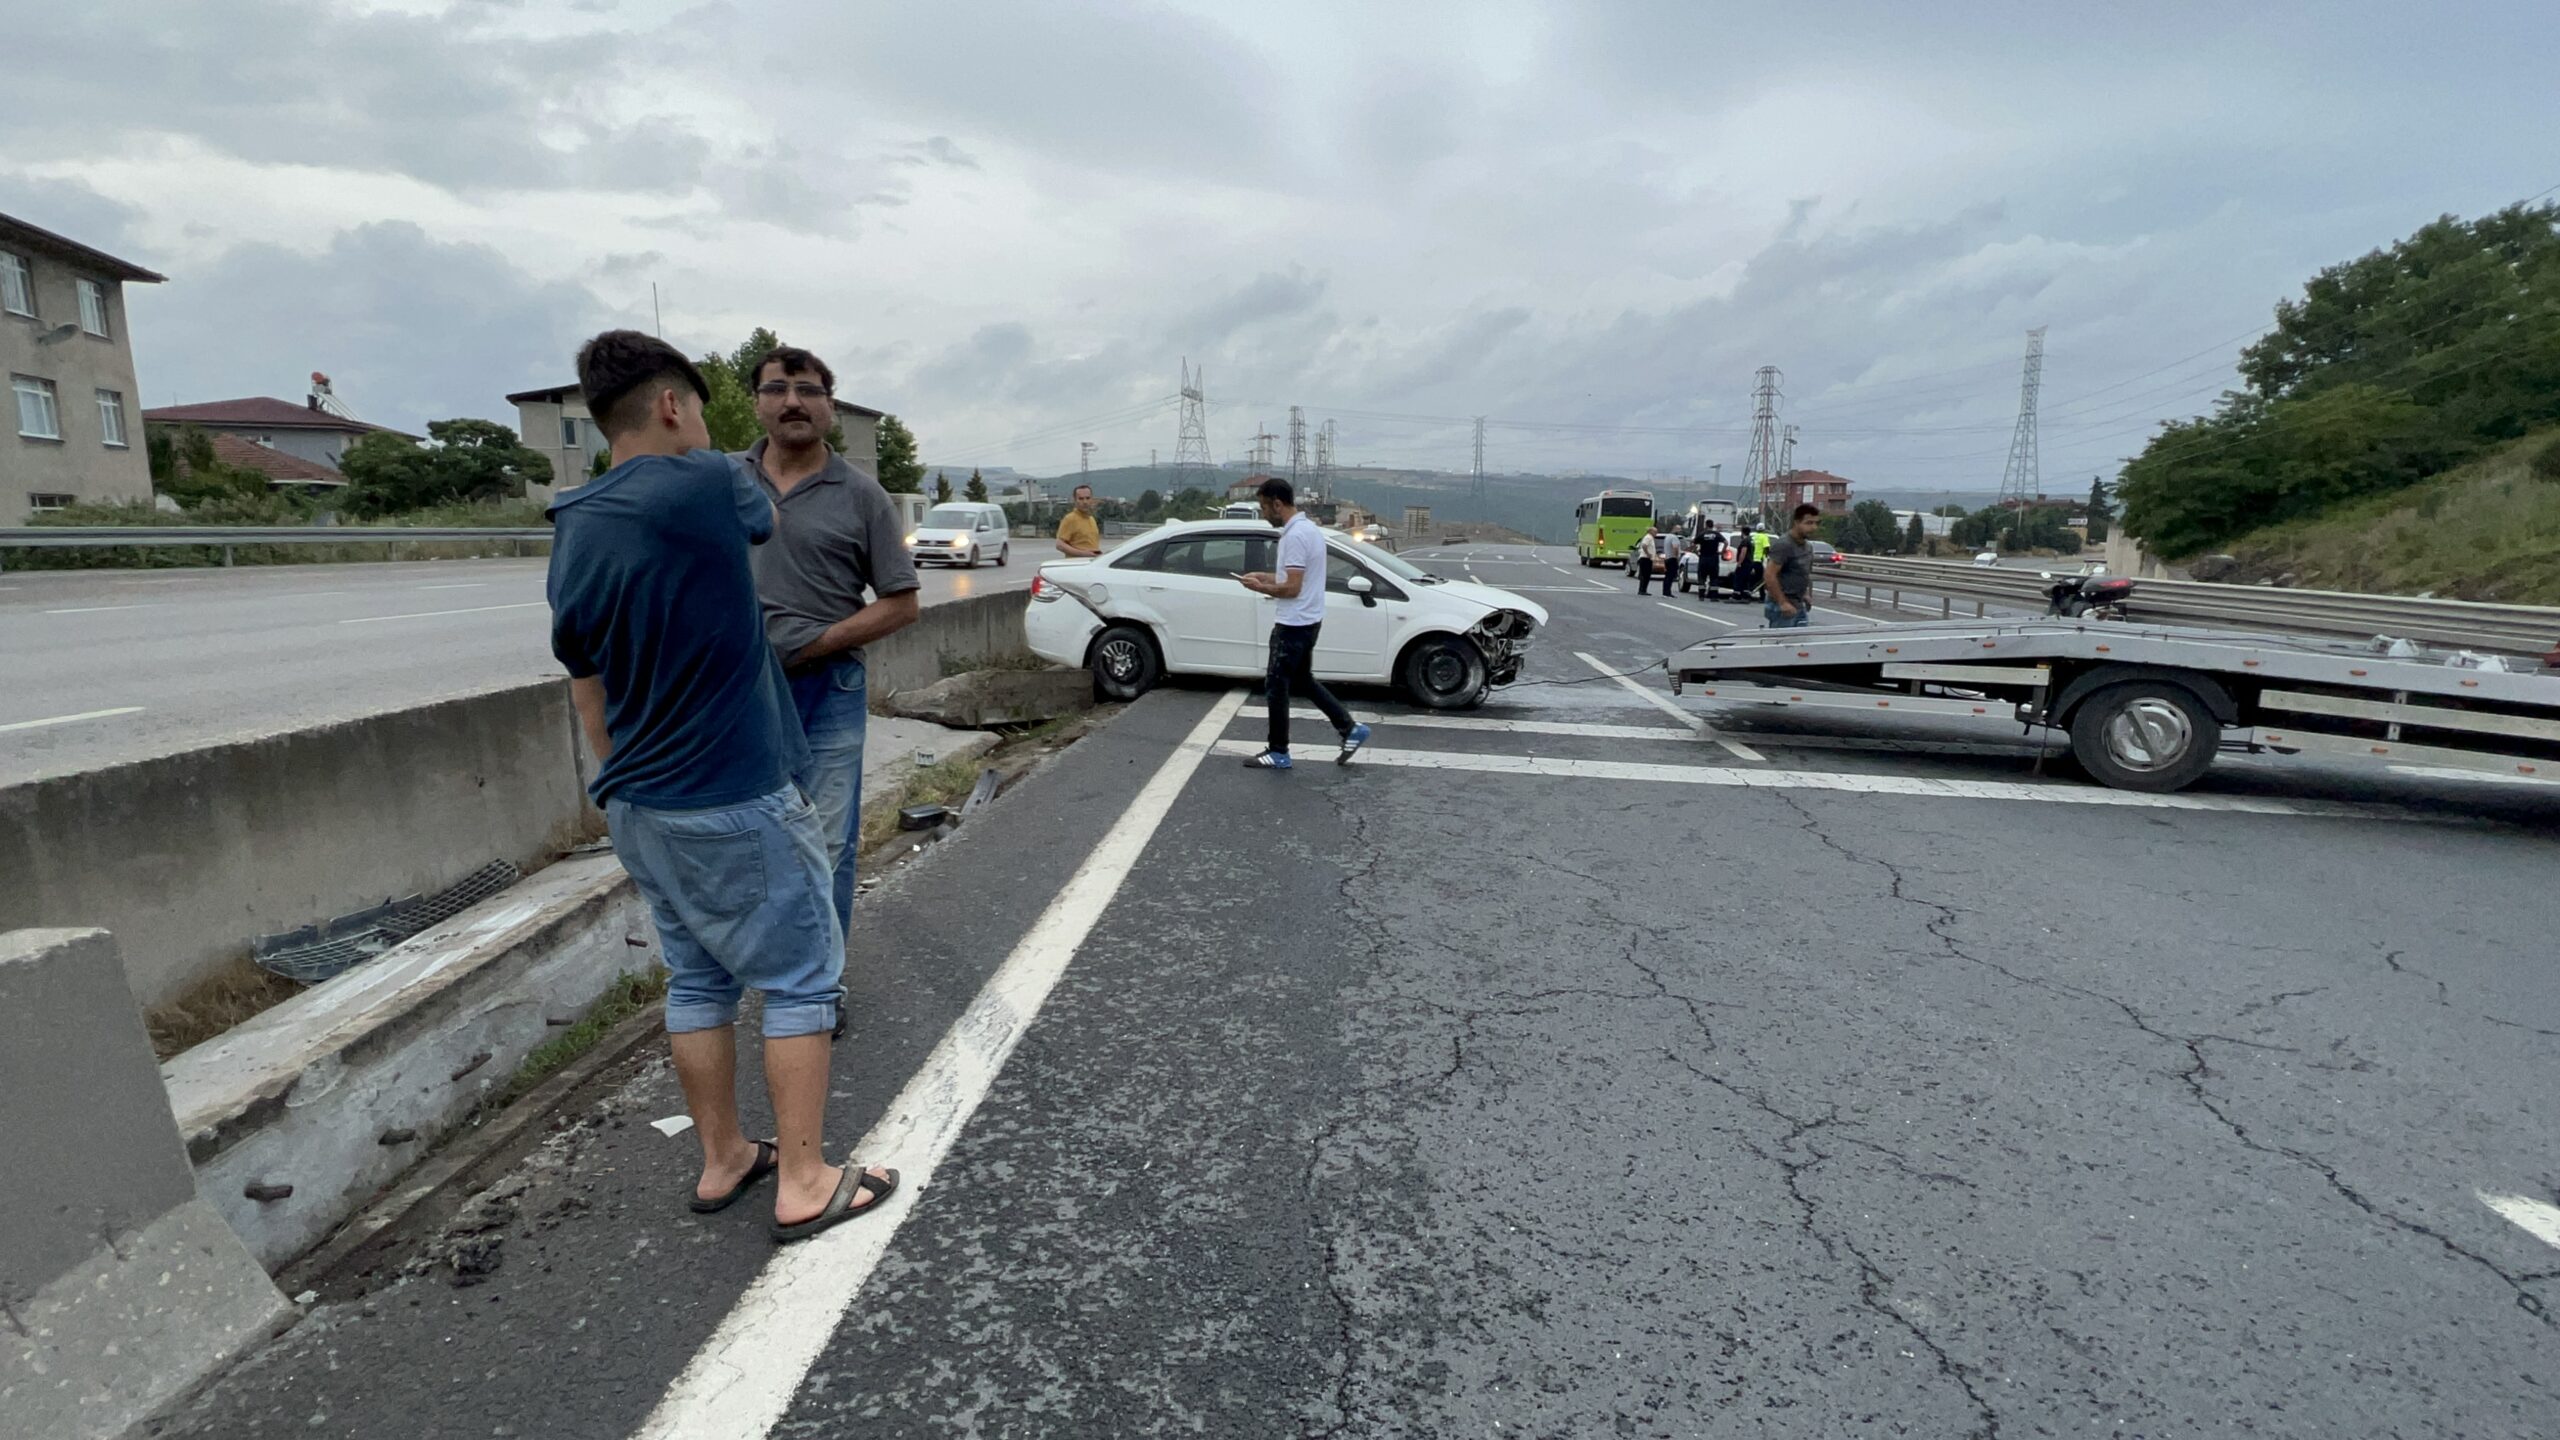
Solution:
(654, 612)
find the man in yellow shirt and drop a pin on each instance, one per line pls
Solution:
(1079, 538)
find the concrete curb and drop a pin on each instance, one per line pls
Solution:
(297, 1118)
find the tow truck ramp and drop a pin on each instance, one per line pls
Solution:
(2147, 706)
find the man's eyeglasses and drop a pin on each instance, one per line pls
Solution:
(806, 390)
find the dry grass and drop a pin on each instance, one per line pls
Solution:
(237, 992)
(2487, 531)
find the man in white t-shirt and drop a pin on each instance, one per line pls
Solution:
(1298, 584)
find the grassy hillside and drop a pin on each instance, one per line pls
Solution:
(2487, 531)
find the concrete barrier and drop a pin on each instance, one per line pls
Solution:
(334, 1093)
(187, 858)
(119, 1288)
(954, 632)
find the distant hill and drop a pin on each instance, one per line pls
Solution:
(1540, 506)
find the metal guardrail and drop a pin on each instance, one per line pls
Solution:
(2465, 624)
(228, 537)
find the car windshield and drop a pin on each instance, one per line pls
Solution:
(950, 517)
(1400, 569)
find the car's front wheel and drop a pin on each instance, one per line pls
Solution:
(1125, 663)
(1445, 672)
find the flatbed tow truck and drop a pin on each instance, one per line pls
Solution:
(2147, 707)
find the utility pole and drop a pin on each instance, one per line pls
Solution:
(1297, 445)
(2022, 480)
(1787, 451)
(1477, 489)
(1085, 466)
(1262, 443)
(1324, 459)
(1191, 458)
(1763, 460)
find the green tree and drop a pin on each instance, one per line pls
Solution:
(183, 467)
(2100, 509)
(1150, 505)
(1873, 529)
(2389, 368)
(941, 488)
(901, 473)
(977, 487)
(463, 460)
(730, 413)
(1915, 539)
(1952, 512)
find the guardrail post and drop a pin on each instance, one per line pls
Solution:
(1978, 611)
(1946, 607)
(226, 557)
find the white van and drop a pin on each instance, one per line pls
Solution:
(962, 532)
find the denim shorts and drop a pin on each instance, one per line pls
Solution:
(1797, 621)
(743, 900)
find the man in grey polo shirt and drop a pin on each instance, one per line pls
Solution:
(836, 537)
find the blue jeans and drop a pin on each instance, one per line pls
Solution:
(1797, 621)
(740, 897)
(835, 714)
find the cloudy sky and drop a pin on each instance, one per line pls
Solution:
(1587, 220)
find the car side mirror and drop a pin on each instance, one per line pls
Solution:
(1364, 587)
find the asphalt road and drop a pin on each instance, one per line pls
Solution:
(1561, 1071)
(105, 666)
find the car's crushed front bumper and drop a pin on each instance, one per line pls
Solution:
(1504, 636)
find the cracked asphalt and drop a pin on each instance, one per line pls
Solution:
(1409, 1101)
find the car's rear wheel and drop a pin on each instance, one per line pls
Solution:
(1445, 672)
(1125, 664)
(1004, 552)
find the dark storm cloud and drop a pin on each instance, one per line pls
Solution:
(411, 329)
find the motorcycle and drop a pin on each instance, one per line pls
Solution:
(2093, 594)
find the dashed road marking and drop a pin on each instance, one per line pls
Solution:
(431, 614)
(71, 719)
(96, 609)
(457, 585)
(1485, 725)
(1697, 614)
(2537, 1218)
(743, 1379)
(1663, 703)
(2055, 793)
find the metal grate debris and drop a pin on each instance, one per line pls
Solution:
(318, 952)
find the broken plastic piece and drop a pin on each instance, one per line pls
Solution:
(672, 1126)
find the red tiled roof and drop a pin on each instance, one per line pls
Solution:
(276, 465)
(260, 411)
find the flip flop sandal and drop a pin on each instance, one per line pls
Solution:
(768, 1156)
(840, 1205)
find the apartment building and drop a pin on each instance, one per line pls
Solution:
(75, 432)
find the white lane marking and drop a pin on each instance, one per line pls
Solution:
(2537, 1218)
(95, 609)
(456, 585)
(743, 1379)
(71, 719)
(1489, 726)
(1663, 703)
(431, 614)
(2059, 793)
(1697, 614)
(2451, 772)
(1600, 584)
(171, 580)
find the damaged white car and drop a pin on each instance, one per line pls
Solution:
(1167, 603)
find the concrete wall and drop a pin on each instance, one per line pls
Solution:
(121, 1288)
(80, 464)
(982, 627)
(189, 857)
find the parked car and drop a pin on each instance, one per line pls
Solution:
(1167, 603)
(962, 532)
(1240, 510)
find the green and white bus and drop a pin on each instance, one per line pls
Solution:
(1607, 526)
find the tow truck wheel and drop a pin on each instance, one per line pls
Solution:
(2145, 735)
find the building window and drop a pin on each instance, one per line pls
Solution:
(568, 433)
(48, 500)
(38, 417)
(93, 308)
(17, 285)
(111, 417)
